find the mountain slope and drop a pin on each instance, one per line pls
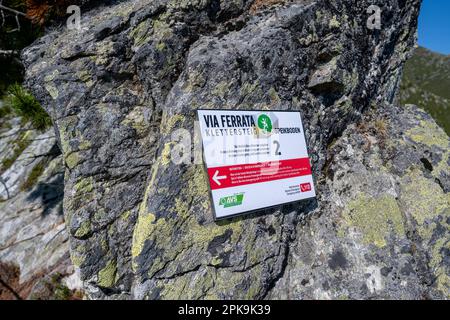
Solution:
(426, 83)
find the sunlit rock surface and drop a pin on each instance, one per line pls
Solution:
(141, 227)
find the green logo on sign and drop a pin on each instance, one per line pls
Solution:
(232, 201)
(264, 123)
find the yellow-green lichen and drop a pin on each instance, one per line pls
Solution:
(189, 286)
(51, 76)
(161, 29)
(251, 88)
(126, 215)
(429, 134)
(77, 258)
(226, 282)
(85, 77)
(442, 166)
(194, 236)
(72, 160)
(222, 89)
(334, 22)
(374, 218)
(216, 261)
(428, 205)
(171, 123)
(309, 39)
(195, 80)
(84, 186)
(83, 230)
(351, 80)
(67, 132)
(84, 145)
(99, 215)
(142, 231)
(437, 265)
(199, 182)
(107, 276)
(104, 50)
(136, 119)
(160, 46)
(166, 153)
(143, 205)
(52, 91)
(201, 234)
(273, 94)
(104, 245)
(423, 198)
(142, 33)
(176, 289)
(319, 15)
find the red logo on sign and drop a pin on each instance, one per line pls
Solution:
(305, 187)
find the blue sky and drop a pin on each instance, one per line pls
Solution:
(434, 25)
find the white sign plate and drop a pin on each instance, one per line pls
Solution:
(255, 159)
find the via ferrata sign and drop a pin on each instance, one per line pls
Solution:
(254, 159)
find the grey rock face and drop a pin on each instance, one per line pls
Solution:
(141, 226)
(381, 230)
(33, 237)
(38, 145)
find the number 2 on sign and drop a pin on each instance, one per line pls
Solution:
(277, 151)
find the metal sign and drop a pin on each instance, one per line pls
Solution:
(254, 159)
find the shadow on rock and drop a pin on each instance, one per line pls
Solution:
(303, 208)
(50, 193)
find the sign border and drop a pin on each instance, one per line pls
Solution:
(205, 168)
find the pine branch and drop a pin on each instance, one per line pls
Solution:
(16, 14)
(8, 53)
(11, 54)
(2, 7)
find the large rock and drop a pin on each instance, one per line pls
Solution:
(142, 227)
(382, 226)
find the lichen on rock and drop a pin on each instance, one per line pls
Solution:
(375, 218)
(142, 227)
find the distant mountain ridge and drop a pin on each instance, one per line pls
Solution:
(426, 83)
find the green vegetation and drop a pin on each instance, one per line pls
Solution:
(53, 288)
(62, 292)
(19, 102)
(34, 175)
(26, 106)
(426, 83)
(5, 110)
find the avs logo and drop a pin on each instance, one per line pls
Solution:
(232, 201)
(265, 124)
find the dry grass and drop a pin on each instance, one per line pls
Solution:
(263, 4)
(377, 129)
